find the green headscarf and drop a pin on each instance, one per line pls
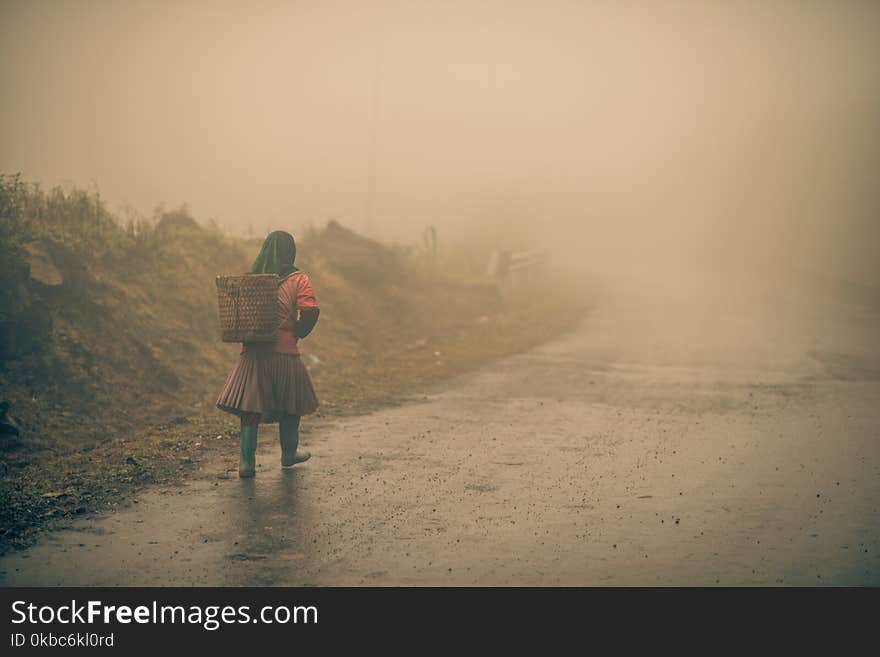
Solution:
(277, 255)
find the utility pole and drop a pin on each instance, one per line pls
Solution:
(371, 171)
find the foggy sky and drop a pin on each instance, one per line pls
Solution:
(619, 130)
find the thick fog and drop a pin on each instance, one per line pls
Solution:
(620, 134)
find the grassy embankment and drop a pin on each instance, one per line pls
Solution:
(110, 357)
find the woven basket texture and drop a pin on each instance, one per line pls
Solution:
(248, 306)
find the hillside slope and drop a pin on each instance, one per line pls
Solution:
(111, 359)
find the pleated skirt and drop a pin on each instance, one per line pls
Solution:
(269, 383)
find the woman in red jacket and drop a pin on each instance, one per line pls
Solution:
(270, 383)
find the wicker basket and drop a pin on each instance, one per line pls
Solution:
(248, 307)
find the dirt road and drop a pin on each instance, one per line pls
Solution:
(677, 437)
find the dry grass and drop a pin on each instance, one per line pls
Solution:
(118, 390)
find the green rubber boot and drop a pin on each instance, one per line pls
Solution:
(288, 433)
(247, 463)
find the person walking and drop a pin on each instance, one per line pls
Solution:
(270, 383)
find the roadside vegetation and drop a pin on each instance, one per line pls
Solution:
(110, 355)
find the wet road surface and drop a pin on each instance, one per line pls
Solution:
(674, 438)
